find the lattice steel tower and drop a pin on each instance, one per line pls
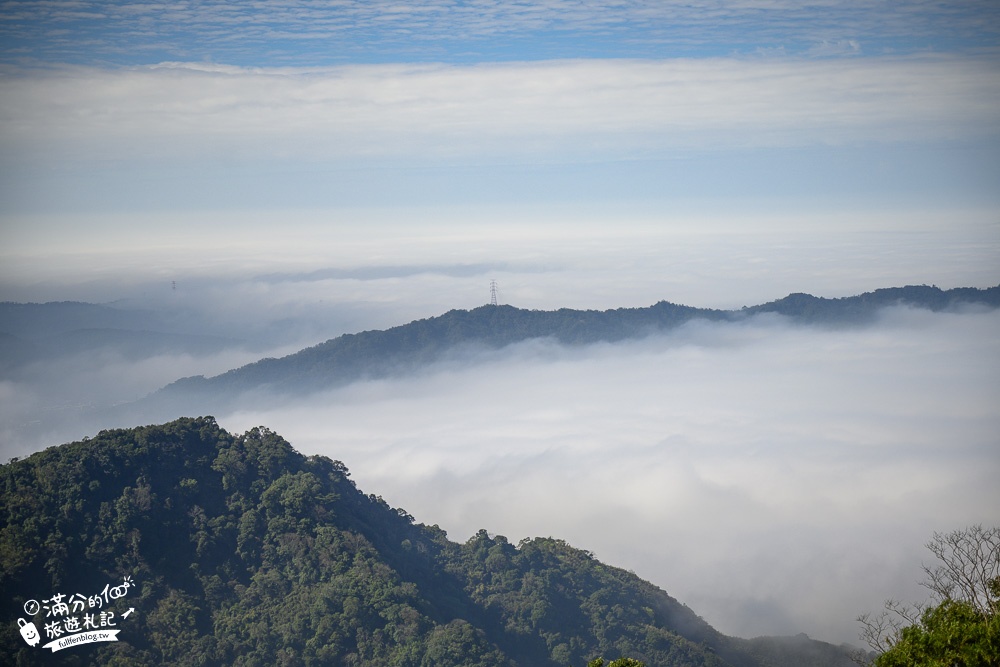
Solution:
(493, 292)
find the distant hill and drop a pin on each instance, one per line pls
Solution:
(863, 307)
(204, 548)
(33, 332)
(32, 320)
(17, 353)
(377, 354)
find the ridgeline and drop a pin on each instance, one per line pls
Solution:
(379, 354)
(237, 550)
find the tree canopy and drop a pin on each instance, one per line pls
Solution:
(961, 626)
(238, 550)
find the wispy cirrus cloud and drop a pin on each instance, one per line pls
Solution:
(293, 31)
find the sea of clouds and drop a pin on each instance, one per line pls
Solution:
(776, 478)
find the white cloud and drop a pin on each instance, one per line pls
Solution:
(776, 479)
(63, 398)
(583, 109)
(842, 47)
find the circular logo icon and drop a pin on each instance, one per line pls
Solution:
(31, 607)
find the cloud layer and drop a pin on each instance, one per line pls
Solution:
(776, 479)
(558, 110)
(290, 267)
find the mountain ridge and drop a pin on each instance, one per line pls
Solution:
(243, 551)
(376, 354)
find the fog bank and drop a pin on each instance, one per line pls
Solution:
(777, 479)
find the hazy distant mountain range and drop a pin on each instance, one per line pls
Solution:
(377, 354)
(31, 333)
(238, 550)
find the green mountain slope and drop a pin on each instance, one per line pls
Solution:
(237, 550)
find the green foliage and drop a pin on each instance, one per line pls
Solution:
(952, 633)
(547, 591)
(243, 552)
(620, 662)
(963, 629)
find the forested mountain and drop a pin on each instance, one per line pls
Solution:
(204, 548)
(375, 354)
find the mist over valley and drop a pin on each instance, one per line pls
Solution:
(726, 456)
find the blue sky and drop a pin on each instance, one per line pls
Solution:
(310, 33)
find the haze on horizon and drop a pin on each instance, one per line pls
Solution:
(282, 175)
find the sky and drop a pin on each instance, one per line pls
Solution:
(284, 172)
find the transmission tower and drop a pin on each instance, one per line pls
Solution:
(493, 292)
